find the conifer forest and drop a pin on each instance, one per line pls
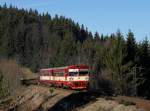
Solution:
(38, 40)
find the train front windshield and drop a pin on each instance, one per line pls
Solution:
(73, 73)
(83, 73)
(80, 72)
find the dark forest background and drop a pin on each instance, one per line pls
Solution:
(38, 41)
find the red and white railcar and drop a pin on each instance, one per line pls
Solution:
(74, 77)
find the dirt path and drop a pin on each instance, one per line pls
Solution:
(139, 102)
(108, 105)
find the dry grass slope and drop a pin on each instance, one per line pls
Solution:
(11, 73)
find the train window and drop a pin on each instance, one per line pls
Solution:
(46, 73)
(58, 73)
(61, 74)
(50, 73)
(83, 73)
(73, 73)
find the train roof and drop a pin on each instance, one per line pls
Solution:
(55, 68)
(71, 66)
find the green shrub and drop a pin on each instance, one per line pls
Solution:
(51, 90)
